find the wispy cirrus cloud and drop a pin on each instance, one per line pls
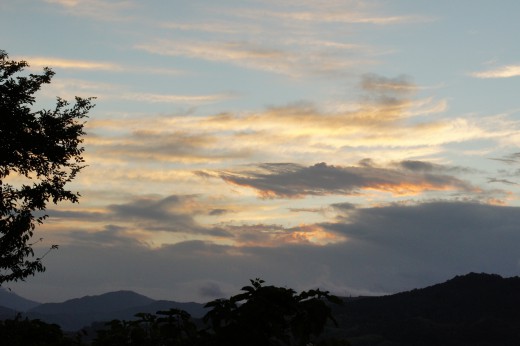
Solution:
(211, 27)
(68, 88)
(97, 9)
(74, 64)
(168, 145)
(254, 55)
(188, 99)
(507, 71)
(319, 15)
(382, 120)
(71, 64)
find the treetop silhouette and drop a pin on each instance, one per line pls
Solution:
(40, 152)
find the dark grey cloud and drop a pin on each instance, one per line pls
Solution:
(387, 249)
(163, 209)
(429, 167)
(344, 206)
(110, 235)
(215, 212)
(504, 181)
(418, 166)
(170, 214)
(511, 158)
(291, 180)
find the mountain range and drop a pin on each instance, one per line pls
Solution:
(13, 301)
(471, 309)
(74, 314)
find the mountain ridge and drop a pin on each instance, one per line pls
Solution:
(471, 309)
(109, 301)
(475, 308)
(15, 302)
(76, 313)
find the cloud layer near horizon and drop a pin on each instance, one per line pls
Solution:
(385, 249)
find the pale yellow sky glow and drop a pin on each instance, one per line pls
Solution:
(500, 72)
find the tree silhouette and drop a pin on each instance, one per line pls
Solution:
(269, 316)
(260, 315)
(22, 331)
(173, 327)
(40, 152)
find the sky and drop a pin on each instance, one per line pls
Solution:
(361, 147)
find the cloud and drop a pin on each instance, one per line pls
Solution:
(211, 290)
(189, 99)
(61, 63)
(381, 124)
(288, 180)
(164, 146)
(71, 64)
(507, 71)
(436, 231)
(110, 236)
(249, 54)
(510, 158)
(269, 235)
(145, 214)
(210, 27)
(68, 88)
(377, 83)
(504, 181)
(387, 249)
(334, 13)
(65, 3)
(96, 9)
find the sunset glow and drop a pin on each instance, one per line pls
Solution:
(310, 143)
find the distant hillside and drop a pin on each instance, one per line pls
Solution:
(15, 302)
(107, 302)
(473, 309)
(77, 313)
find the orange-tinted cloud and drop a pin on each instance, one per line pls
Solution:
(287, 180)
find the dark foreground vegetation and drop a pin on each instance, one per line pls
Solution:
(258, 316)
(474, 309)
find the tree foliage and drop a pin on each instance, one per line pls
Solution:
(22, 331)
(172, 327)
(40, 152)
(269, 315)
(260, 315)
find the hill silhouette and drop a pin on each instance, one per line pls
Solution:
(15, 302)
(77, 313)
(111, 301)
(473, 309)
